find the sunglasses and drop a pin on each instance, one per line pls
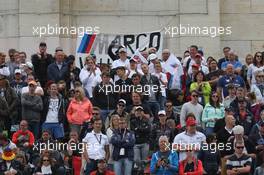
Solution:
(95, 113)
(259, 56)
(240, 147)
(216, 96)
(76, 91)
(194, 95)
(188, 150)
(45, 160)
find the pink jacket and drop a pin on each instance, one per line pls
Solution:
(78, 112)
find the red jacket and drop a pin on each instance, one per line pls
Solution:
(28, 135)
(107, 172)
(78, 113)
(198, 167)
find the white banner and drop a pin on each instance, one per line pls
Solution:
(104, 46)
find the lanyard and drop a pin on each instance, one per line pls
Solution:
(98, 140)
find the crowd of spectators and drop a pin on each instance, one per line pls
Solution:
(142, 114)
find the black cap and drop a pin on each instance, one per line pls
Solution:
(42, 44)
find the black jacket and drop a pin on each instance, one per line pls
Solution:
(141, 128)
(14, 164)
(63, 104)
(41, 66)
(153, 81)
(104, 97)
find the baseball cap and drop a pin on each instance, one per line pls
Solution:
(122, 49)
(198, 55)
(162, 112)
(139, 108)
(58, 49)
(18, 71)
(238, 129)
(42, 44)
(196, 66)
(33, 83)
(122, 101)
(190, 122)
(152, 56)
(29, 65)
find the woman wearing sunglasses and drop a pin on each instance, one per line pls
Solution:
(46, 166)
(213, 111)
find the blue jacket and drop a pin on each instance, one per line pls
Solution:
(56, 74)
(120, 140)
(173, 161)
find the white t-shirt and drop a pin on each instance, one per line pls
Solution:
(88, 79)
(184, 139)
(96, 143)
(164, 79)
(52, 115)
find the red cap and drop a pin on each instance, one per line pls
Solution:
(198, 55)
(190, 122)
(196, 66)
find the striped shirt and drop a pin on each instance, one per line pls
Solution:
(234, 162)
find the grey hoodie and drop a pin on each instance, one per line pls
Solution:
(31, 107)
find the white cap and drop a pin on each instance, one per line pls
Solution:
(29, 64)
(152, 56)
(18, 71)
(161, 112)
(238, 129)
(122, 100)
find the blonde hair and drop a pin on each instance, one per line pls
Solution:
(112, 118)
(82, 94)
(89, 57)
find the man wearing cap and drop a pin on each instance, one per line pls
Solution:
(160, 128)
(39, 91)
(58, 70)
(141, 128)
(102, 168)
(153, 58)
(4, 70)
(133, 68)
(198, 62)
(8, 99)
(190, 138)
(31, 108)
(122, 61)
(189, 61)
(17, 84)
(41, 61)
(120, 110)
